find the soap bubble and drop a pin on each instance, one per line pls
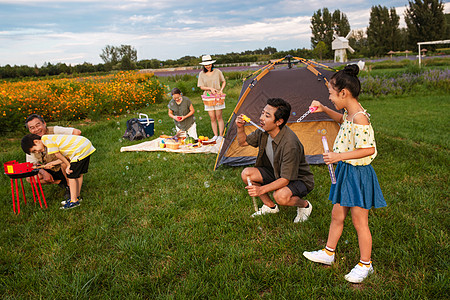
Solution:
(128, 111)
(118, 128)
(294, 113)
(159, 121)
(118, 123)
(346, 241)
(147, 104)
(114, 112)
(323, 131)
(164, 158)
(206, 184)
(193, 88)
(120, 140)
(149, 177)
(126, 193)
(159, 155)
(199, 118)
(127, 168)
(123, 173)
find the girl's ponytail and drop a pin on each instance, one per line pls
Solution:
(347, 79)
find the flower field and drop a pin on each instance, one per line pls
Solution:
(76, 98)
(406, 83)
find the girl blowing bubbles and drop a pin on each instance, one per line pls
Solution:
(357, 188)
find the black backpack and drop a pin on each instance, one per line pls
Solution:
(135, 130)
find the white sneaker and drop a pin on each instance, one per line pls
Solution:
(303, 213)
(359, 273)
(219, 139)
(266, 210)
(214, 138)
(319, 256)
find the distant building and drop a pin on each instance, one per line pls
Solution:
(340, 46)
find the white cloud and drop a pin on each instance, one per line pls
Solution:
(143, 19)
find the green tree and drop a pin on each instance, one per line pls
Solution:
(340, 23)
(321, 27)
(358, 41)
(110, 55)
(123, 57)
(320, 50)
(128, 51)
(325, 24)
(383, 33)
(425, 21)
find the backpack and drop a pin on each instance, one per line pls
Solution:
(134, 131)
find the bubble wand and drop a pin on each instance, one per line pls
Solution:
(247, 119)
(255, 206)
(310, 110)
(330, 166)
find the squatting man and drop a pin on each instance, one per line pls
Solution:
(280, 166)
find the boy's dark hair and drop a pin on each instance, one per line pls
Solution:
(347, 79)
(28, 142)
(32, 117)
(283, 109)
(175, 91)
(206, 70)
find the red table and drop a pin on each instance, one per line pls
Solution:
(17, 171)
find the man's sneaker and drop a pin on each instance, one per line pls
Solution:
(266, 210)
(303, 213)
(70, 205)
(319, 256)
(64, 202)
(359, 273)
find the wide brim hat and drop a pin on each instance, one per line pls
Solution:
(207, 60)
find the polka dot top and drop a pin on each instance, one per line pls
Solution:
(354, 136)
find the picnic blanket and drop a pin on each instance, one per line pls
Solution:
(154, 146)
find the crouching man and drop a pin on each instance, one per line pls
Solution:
(52, 174)
(280, 166)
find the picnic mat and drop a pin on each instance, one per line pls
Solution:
(154, 146)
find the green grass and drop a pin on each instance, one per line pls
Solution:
(169, 227)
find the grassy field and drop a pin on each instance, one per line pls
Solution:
(160, 225)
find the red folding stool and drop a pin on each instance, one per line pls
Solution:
(16, 171)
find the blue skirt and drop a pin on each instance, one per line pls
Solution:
(356, 186)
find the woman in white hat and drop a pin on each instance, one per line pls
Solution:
(212, 81)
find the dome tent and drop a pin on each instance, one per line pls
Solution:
(298, 86)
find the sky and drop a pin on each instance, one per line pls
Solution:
(74, 32)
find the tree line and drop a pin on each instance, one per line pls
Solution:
(425, 21)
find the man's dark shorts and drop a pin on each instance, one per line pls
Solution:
(297, 187)
(58, 175)
(79, 167)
